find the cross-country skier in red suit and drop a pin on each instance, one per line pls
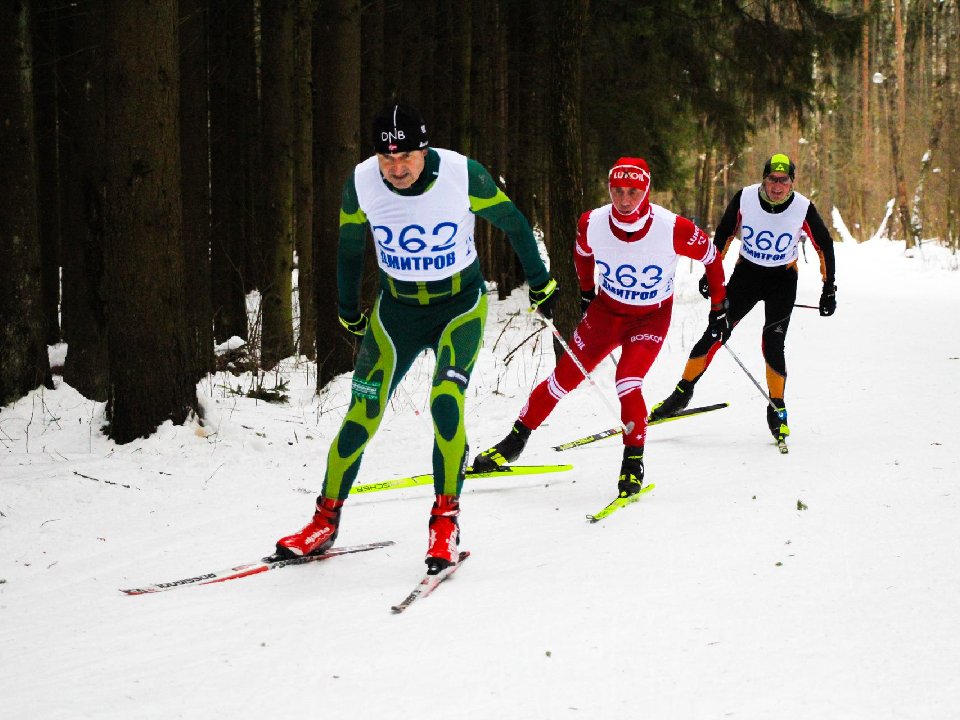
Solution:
(635, 245)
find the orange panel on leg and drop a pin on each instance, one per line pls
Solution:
(775, 382)
(694, 368)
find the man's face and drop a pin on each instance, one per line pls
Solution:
(626, 199)
(402, 169)
(777, 186)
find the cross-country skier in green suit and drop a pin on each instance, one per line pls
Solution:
(420, 205)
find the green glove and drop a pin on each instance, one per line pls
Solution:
(544, 297)
(358, 325)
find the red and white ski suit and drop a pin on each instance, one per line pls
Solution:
(636, 264)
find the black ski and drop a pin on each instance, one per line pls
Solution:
(690, 412)
(429, 583)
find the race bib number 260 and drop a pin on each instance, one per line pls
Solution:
(764, 245)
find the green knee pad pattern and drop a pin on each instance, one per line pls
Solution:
(370, 391)
(457, 354)
(383, 360)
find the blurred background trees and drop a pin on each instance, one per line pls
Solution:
(152, 195)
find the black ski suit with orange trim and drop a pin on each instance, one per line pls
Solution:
(775, 286)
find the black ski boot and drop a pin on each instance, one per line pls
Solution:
(631, 471)
(505, 451)
(777, 420)
(675, 402)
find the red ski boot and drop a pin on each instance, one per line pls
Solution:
(318, 536)
(444, 532)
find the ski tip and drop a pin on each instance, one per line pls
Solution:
(619, 503)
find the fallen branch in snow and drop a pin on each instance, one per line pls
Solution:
(213, 473)
(503, 330)
(509, 355)
(108, 482)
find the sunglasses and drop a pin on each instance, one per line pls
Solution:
(778, 180)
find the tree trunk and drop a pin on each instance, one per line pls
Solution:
(940, 81)
(898, 124)
(507, 277)
(195, 177)
(82, 179)
(337, 71)
(866, 136)
(483, 126)
(426, 14)
(303, 180)
(897, 162)
(566, 198)
(151, 372)
(372, 95)
(409, 51)
(48, 181)
(462, 67)
(232, 101)
(279, 131)
(23, 353)
(442, 90)
(525, 99)
(539, 143)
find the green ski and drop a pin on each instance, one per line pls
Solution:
(619, 503)
(427, 478)
(618, 431)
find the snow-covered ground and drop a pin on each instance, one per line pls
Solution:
(747, 585)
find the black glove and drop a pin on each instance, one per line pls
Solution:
(719, 325)
(586, 297)
(544, 297)
(357, 325)
(828, 300)
(704, 286)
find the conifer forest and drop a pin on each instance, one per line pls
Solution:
(162, 161)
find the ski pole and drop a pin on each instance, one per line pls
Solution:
(812, 307)
(744, 368)
(628, 428)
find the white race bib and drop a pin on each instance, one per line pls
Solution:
(770, 239)
(422, 237)
(639, 272)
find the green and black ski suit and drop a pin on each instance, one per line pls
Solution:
(432, 296)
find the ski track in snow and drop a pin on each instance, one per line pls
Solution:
(715, 596)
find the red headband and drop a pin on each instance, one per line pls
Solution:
(630, 172)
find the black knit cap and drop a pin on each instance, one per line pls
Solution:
(399, 128)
